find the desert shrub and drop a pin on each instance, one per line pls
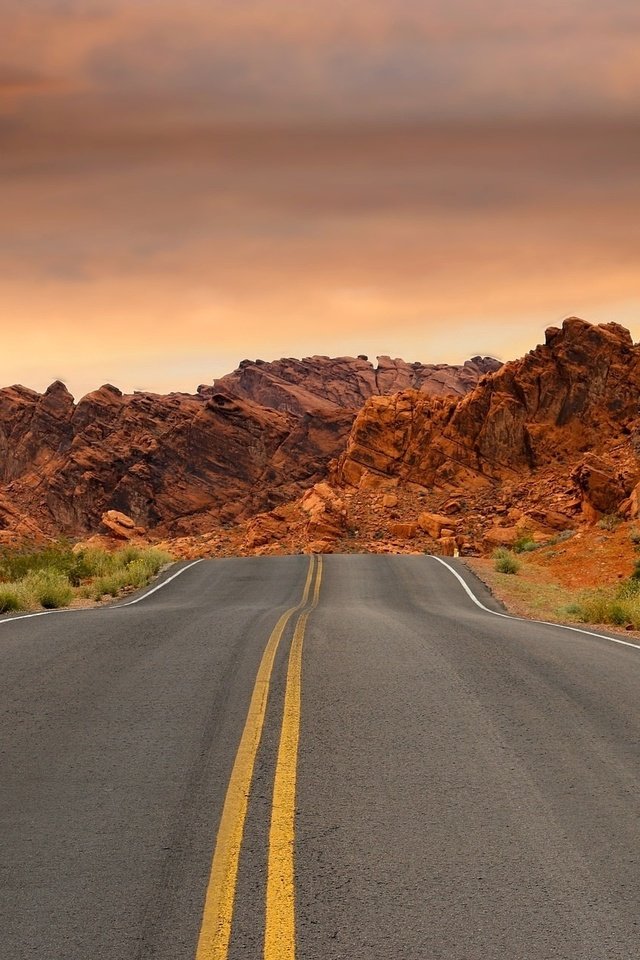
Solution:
(15, 565)
(48, 588)
(609, 522)
(10, 598)
(108, 585)
(629, 589)
(57, 557)
(505, 561)
(51, 576)
(619, 606)
(634, 536)
(131, 567)
(603, 608)
(524, 543)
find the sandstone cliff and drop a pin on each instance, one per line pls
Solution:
(543, 445)
(578, 393)
(183, 464)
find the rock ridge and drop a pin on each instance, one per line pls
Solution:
(182, 464)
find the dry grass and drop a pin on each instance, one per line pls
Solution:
(535, 593)
(56, 576)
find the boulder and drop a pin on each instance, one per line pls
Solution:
(433, 523)
(120, 525)
(500, 537)
(326, 512)
(403, 531)
(320, 546)
(265, 528)
(600, 485)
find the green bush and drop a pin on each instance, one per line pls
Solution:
(109, 585)
(51, 576)
(128, 568)
(524, 543)
(10, 598)
(619, 606)
(48, 588)
(505, 561)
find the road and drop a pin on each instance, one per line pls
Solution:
(341, 757)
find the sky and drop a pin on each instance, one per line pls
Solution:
(186, 184)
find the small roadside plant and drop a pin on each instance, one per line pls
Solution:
(619, 605)
(505, 561)
(10, 598)
(48, 588)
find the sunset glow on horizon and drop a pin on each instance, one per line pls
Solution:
(185, 185)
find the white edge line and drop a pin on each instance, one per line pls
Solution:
(546, 623)
(115, 606)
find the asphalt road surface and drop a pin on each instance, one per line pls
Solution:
(338, 757)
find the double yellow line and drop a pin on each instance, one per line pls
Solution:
(215, 931)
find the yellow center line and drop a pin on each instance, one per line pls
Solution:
(215, 931)
(280, 932)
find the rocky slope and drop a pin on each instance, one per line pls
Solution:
(547, 443)
(182, 464)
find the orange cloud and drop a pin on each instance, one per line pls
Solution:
(183, 185)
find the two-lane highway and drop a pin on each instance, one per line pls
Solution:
(339, 757)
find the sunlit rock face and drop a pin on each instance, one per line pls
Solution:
(181, 463)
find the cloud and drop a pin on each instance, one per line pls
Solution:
(275, 60)
(186, 184)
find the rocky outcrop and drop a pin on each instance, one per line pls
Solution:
(577, 393)
(538, 447)
(184, 464)
(176, 463)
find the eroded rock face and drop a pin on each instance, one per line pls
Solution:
(577, 393)
(178, 463)
(182, 464)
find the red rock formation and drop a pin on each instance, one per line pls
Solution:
(538, 446)
(182, 464)
(564, 419)
(577, 393)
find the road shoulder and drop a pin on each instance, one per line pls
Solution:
(535, 594)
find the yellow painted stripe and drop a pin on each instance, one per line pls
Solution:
(215, 931)
(280, 930)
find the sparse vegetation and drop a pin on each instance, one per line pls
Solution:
(610, 521)
(10, 599)
(48, 588)
(616, 605)
(53, 576)
(505, 561)
(524, 543)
